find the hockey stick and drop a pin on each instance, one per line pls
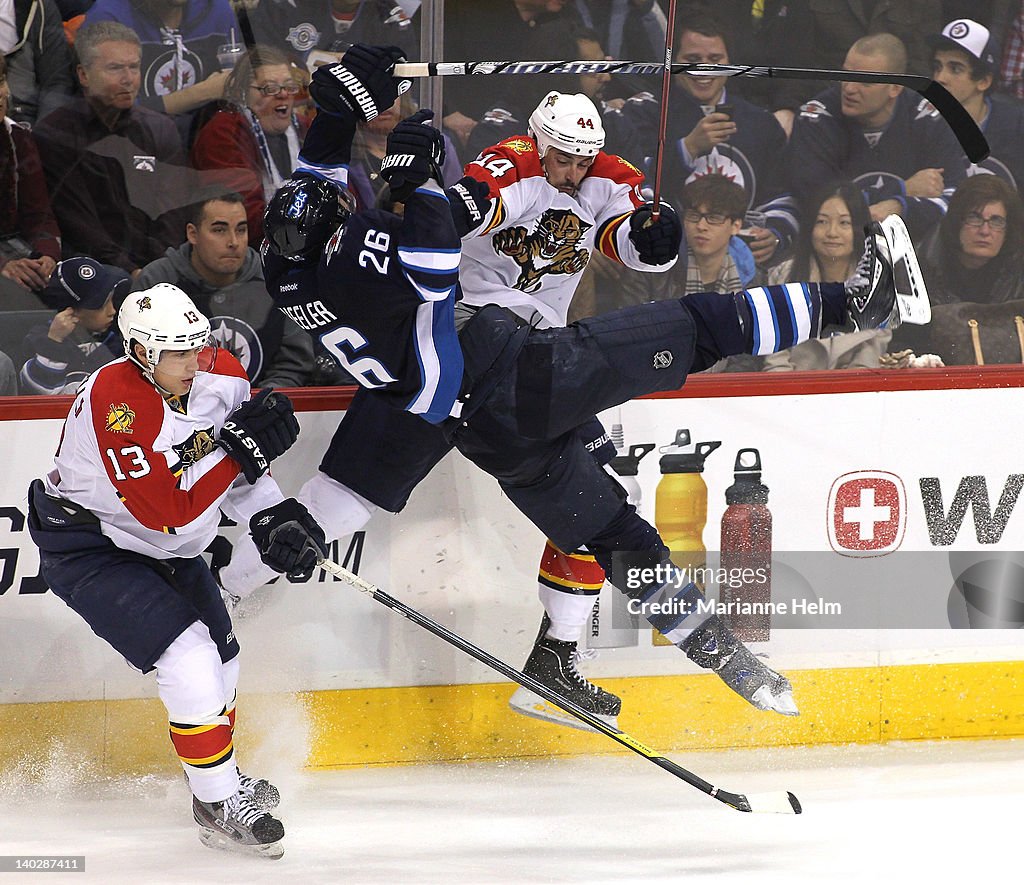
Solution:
(778, 802)
(666, 82)
(964, 128)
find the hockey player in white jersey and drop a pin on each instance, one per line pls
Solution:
(556, 196)
(155, 446)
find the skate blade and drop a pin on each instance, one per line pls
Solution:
(212, 839)
(533, 705)
(912, 302)
(783, 703)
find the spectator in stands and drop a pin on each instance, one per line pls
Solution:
(831, 242)
(223, 276)
(713, 131)
(38, 60)
(560, 38)
(827, 250)
(964, 61)
(114, 168)
(254, 135)
(369, 147)
(977, 253)
(316, 31)
(1011, 72)
(713, 209)
(82, 335)
(712, 257)
(630, 29)
(889, 141)
(512, 24)
(179, 39)
(976, 258)
(29, 236)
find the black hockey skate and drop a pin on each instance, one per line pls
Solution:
(553, 663)
(887, 287)
(236, 824)
(714, 647)
(263, 794)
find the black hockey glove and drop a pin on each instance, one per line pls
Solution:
(470, 201)
(415, 155)
(657, 242)
(289, 540)
(259, 431)
(361, 84)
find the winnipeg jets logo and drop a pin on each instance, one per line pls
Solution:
(172, 70)
(814, 110)
(298, 205)
(303, 37)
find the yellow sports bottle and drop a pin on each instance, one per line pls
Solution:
(681, 505)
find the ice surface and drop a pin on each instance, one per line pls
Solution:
(930, 812)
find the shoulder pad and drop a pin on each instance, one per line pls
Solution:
(615, 168)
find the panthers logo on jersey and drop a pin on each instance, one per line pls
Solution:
(518, 145)
(553, 247)
(119, 418)
(197, 446)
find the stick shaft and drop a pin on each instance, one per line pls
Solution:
(666, 84)
(971, 138)
(734, 800)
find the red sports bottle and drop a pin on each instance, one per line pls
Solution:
(746, 575)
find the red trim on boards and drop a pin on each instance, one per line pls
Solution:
(325, 399)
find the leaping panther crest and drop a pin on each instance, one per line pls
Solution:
(552, 248)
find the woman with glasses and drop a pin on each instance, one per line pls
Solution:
(973, 264)
(254, 135)
(976, 253)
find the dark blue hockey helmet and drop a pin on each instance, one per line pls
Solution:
(303, 215)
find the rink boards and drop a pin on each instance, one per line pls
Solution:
(325, 666)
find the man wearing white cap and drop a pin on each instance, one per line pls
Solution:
(965, 61)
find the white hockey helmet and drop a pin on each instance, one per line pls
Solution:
(161, 318)
(569, 123)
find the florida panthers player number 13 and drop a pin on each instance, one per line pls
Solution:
(155, 446)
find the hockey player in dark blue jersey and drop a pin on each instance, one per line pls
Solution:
(892, 143)
(371, 286)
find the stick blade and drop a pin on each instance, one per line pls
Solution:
(776, 802)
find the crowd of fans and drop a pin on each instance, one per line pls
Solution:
(142, 139)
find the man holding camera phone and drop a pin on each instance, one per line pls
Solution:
(711, 132)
